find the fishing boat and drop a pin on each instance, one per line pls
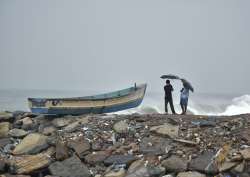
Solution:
(97, 104)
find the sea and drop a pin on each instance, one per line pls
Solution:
(199, 103)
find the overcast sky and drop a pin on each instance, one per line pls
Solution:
(106, 45)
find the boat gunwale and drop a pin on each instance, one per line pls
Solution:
(88, 98)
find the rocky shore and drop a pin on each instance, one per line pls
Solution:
(134, 145)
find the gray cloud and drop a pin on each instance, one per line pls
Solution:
(110, 44)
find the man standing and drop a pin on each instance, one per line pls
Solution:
(168, 97)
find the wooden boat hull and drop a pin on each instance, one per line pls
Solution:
(98, 104)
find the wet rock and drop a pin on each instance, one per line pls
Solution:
(203, 163)
(166, 129)
(138, 171)
(17, 133)
(6, 116)
(175, 164)
(9, 175)
(155, 145)
(239, 168)
(120, 173)
(2, 165)
(190, 174)
(48, 130)
(121, 127)
(69, 168)
(61, 150)
(227, 166)
(135, 165)
(246, 153)
(156, 170)
(31, 144)
(80, 146)
(61, 122)
(30, 163)
(72, 127)
(96, 157)
(27, 123)
(4, 129)
(119, 159)
(187, 142)
(4, 142)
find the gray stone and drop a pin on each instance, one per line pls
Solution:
(72, 127)
(203, 163)
(48, 130)
(4, 142)
(121, 127)
(155, 145)
(31, 144)
(120, 173)
(4, 129)
(2, 165)
(156, 170)
(6, 116)
(227, 166)
(17, 133)
(71, 167)
(96, 157)
(61, 122)
(140, 171)
(80, 146)
(166, 129)
(28, 124)
(246, 153)
(175, 164)
(190, 174)
(119, 159)
(239, 168)
(61, 150)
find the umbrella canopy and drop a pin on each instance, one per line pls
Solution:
(187, 85)
(170, 76)
(184, 81)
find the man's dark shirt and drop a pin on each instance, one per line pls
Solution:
(168, 91)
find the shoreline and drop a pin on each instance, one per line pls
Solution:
(113, 145)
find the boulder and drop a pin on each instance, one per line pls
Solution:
(203, 163)
(69, 168)
(121, 127)
(155, 145)
(4, 142)
(61, 122)
(72, 127)
(166, 129)
(96, 157)
(48, 130)
(191, 174)
(31, 144)
(2, 165)
(4, 129)
(119, 159)
(120, 173)
(80, 146)
(27, 123)
(61, 150)
(246, 153)
(6, 116)
(175, 164)
(30, 163)
(17, 133)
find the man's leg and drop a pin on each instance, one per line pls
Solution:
(172, 106)
(166, 106)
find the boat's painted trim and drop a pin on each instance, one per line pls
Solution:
(130, 98)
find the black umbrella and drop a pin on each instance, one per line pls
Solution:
(170, 76)
(184, 81)
(187, 85)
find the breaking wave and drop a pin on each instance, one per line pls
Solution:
(233, 106)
